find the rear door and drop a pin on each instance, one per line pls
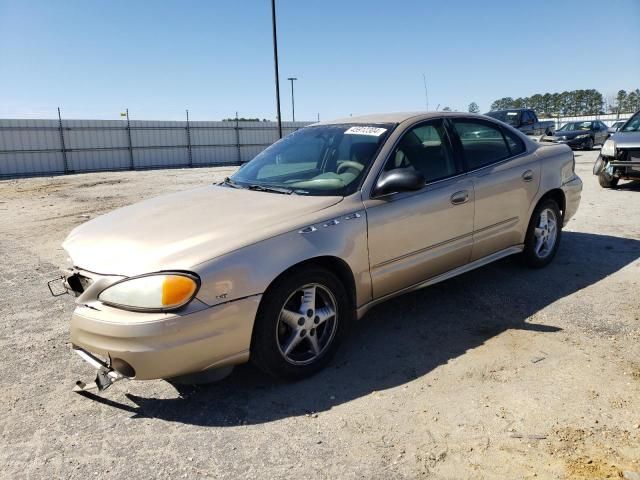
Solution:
(505, 181)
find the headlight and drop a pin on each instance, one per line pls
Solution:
(608, 149)
(585, 135)
(155, 292)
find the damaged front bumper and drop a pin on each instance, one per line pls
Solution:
(123, 344)
(105, 377)
(614, 167)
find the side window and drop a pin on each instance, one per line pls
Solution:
(425, 149)
(527, 118)
(515, 143)
(482, 143)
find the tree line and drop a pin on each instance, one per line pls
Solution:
(575, 102)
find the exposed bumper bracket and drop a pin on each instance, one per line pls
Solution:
(105, 377)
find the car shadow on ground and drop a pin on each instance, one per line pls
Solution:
(631, 185)
(402, 339)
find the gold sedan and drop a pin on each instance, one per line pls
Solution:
(275, 263)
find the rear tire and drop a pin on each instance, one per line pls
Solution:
(301, 321)
(607, 181)
(543, 234)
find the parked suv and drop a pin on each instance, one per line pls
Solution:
(275, 263)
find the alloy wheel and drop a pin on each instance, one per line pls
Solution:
(546, 233)
(307, 324)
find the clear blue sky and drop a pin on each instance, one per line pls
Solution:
(96, 57)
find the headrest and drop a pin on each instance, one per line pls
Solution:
(362, 152)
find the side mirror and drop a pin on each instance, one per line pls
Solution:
(399, 180)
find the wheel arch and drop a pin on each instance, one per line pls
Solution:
(556, 194)
(335, 265)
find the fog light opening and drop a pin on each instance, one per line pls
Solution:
(123, 367)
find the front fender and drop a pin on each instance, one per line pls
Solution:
(339, 231)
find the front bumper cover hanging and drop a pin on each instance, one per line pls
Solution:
(105, 377)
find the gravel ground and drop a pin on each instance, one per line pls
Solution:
(504, 372)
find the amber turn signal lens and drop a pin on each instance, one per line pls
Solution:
(177, 290)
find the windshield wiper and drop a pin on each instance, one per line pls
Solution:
(231, 183)
(264, 188)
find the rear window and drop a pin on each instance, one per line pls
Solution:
(515, 143)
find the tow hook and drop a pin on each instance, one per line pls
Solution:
(105, 377)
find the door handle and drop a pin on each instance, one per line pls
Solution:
(527, 176)
(460, 197)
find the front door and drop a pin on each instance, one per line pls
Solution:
(414, 236)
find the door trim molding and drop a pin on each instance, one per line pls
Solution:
(422, 250)
(481, 262)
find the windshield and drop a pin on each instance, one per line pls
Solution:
(512, 117)
(567, 127)
(323, 160)
(632, 125)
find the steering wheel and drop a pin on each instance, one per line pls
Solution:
(350, 164)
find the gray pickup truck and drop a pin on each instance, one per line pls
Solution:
(619, 157)
(525, 120)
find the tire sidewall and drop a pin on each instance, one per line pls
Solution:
(607, 181)
(589, 146)
(529, 245)
(265, 353)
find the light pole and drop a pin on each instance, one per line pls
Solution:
(275, 62)
(293, 102)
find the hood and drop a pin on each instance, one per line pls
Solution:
(626, 139)
(181, 230)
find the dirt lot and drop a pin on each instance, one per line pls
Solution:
(501, 373)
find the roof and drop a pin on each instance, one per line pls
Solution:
(396, 117)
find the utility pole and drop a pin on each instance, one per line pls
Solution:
(293, 102)
(275, 63)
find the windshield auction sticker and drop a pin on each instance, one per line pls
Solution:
(374, 131)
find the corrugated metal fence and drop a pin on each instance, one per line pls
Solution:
(46, 147)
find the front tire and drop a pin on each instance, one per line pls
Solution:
(607, 181)
(589, 144)
(302, 320)
(543, 234)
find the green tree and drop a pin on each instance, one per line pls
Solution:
(632, 101)
(502, 103)
(474, 108)
(546, 104)
(575, 102)
(621, 100)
